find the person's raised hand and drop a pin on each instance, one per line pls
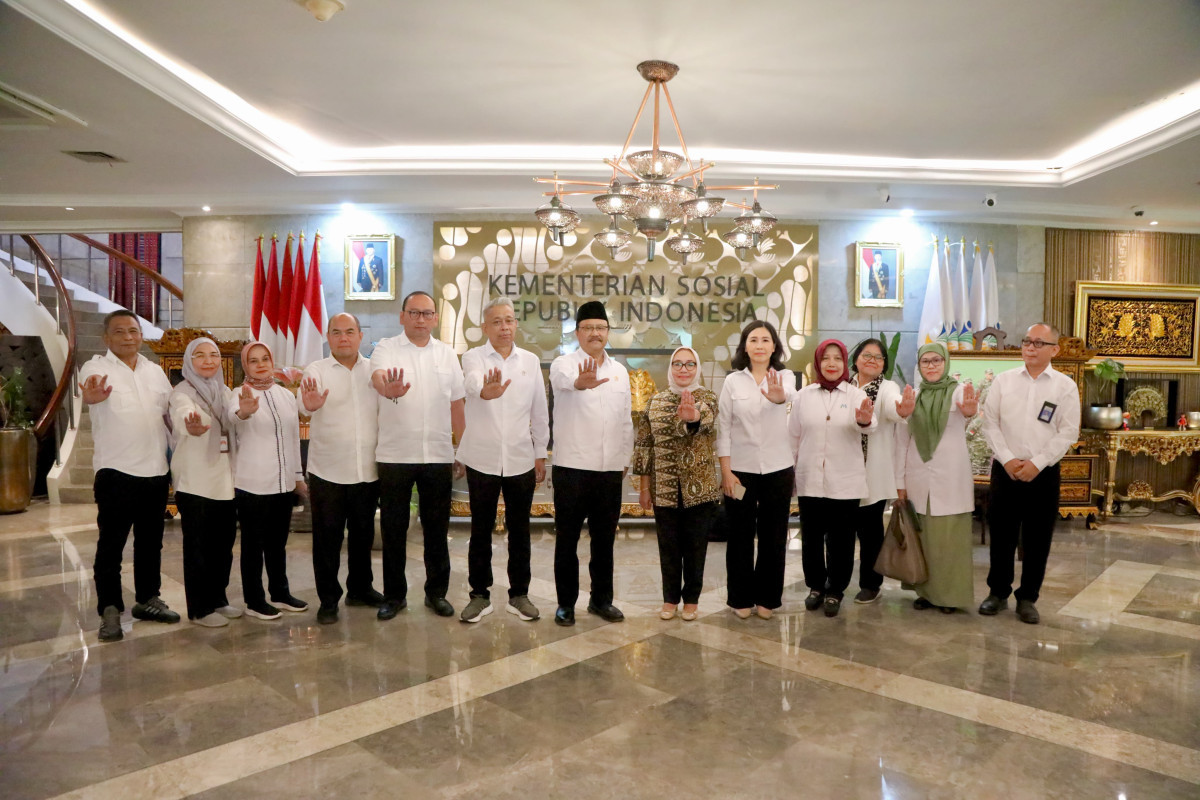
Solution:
(687, 407)
(969, 406)
(194, 425)
(96, 389)
(394, 386)
(862, 414)
(493, 384)
(774, 391)
(311, 396)
(907, 402)
(587, 375)
(247, 402)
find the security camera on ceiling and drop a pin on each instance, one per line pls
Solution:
(989, 200)
(1138, 211)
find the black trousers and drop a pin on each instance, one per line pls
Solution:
(1026, 512)
(682, 548)
(584, 494)
(827, 542)
(485, 492)
(122, 502)
(336, 509)
(763, 512)
(264, 520)
(433, 482)
(209, 528)
(868, 523)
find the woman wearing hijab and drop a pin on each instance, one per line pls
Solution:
(201, 413)
(267, 478)
(756, 469)
(869, 361)
(829, 418)
(674, 455)
(933, 470)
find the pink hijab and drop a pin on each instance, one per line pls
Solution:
(262, 384)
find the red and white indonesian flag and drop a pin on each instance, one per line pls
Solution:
(257, 318)
(268, 333)
(310, 335)
(295, 303)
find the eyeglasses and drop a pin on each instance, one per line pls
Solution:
(1036, 344)
(683, 364)
(503, 321)
(421, 314)
(592, 328)
(936, 361)
(871, 357)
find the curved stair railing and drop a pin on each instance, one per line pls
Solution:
(141, 271)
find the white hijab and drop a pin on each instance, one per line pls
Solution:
(695, 382)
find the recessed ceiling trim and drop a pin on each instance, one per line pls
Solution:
(1152, 127)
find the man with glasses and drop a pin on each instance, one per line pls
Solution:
(1030, 420)
(593, 445)
(504, 450)
(420, 387)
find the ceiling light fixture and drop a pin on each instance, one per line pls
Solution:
(1153, 222)
(206, 208)
(651, 195)
(322, 10)
(69, 208)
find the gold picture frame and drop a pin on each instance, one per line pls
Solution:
(1147, 327)
(879, 274)
(371, 267)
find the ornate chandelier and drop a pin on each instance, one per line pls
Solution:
(645, 190)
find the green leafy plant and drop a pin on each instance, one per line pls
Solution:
(14, 410)
(1104, 376)
(893, 350)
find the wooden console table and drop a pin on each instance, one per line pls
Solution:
(1164, 446)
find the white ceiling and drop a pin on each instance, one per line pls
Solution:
(1072, 111)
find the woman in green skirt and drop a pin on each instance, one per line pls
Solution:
(933, 470)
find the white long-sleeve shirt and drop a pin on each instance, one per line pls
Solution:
(268, 444)
(830, 460)
(944, 484)
(1032, 419)
(751, 430)
(881, 473)
(593, 428)
(344, 432)
(198, 466)
(505, 435)
(415, 429)
(128, 429)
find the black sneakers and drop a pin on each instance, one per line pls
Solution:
(290, 603)
(262, 610)
(154, 610)
(327, 614)
(110, 625)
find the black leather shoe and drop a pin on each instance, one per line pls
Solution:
(813, 601)
(1027, 612)
(921, 604)
(564, 616)
(992, 605)
(607, 612)
(832, 605)
(440, 605)
(370, 598)
(327, 614)
(390, 608)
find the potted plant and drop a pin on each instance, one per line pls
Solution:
(18, 447)
(1102, 381)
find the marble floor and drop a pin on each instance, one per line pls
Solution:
(1102, 700)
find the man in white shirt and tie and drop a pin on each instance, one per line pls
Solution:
(127, 395)
(1030, 420)
(343, 482)
(420, 387)
(593, 445)
(504, 450)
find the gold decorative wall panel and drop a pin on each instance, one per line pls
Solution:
(653, 306)
(1144, 325)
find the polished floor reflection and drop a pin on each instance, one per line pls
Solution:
(1102, 700)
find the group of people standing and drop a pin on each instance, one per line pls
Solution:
(845, 445)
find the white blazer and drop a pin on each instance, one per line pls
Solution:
(830, 460)
(881, 456)
(943, 485)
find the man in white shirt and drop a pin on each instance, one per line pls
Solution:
(504, 450)
(420, 387)
(1030, 420)
(343, 482)
(593, 445)
(128, 395)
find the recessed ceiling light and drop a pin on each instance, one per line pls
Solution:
(1153, 222)
(347, 206)
(906, 212)
(206, 208)
(70, 209)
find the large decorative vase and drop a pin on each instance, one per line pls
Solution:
(18, 467)
(1105, 418)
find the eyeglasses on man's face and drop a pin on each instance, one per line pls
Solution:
(872, 357)
(593, 329)
(683, 364)
(1036, 344)
(933, 361)
(415, 314)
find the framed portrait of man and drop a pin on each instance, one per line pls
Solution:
(879, 274)
(371, 267)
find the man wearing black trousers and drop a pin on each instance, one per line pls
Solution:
(127, 396)
(343, 482)
(420, 387)
(1031, 419)
(504, 450)
(593, 445)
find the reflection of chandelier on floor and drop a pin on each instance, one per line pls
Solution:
(652, 198)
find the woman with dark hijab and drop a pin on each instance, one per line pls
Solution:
(933, 470)
(828, 418)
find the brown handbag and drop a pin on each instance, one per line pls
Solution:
(901, 556)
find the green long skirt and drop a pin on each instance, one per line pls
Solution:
(948, 553)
